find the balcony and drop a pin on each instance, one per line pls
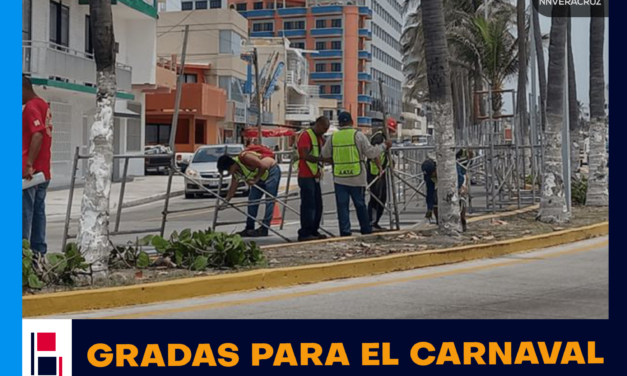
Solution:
(258, 13)
(365, 11)
(327, 9)
(364, 121)
(326, 54)
(74, 69)
(364, 98)
(365, 33)
(365, 55)
(330, 31)
(196, 98)
(290, 12)
(292, 33)
(363, 76)
(261, 34)
(296, 112)
(326, 76)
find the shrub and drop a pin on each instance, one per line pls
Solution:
(53, 268)
(579, 188)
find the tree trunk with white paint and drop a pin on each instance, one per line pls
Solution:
(537, 36)
(553, 208)
(573, 104)
(438, 77)
(93, 237)
(598, 192)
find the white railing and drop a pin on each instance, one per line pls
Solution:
(52, 61)
(312, 90)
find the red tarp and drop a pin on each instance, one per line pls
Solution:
(272, 132)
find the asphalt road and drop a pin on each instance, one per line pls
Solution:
(149, 217)
(565, 282)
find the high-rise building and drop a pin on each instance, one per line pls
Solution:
(350, 45)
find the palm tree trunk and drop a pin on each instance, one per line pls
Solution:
(598, 193)
(522, 70)
(438, 78)
(553, 207)
(573, 105)
(537, 35)
(93, 238)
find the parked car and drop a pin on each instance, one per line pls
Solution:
(204, 167)
(159, 164)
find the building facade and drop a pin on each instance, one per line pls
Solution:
(215, 40)
(57, 53)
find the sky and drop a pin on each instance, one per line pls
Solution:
(581, 50)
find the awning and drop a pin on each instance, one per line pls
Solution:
(276, 132)
(122, 110)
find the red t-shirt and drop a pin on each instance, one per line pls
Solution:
(36, 117)
(304, 141)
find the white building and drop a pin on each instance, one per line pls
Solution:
(386, 26)
(57, 53)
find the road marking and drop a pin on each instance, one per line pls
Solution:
(357, 286)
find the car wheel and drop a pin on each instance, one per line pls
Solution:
(190, 195)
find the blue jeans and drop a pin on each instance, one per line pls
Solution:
(310, 207)
(343, 194)
(271, 185)
(34, 217)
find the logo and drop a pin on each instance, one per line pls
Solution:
(47, 347)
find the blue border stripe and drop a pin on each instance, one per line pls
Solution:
(32, 353)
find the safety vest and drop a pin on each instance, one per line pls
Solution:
(374, 169)
(315, 151)
(248, 174)
(346, 158)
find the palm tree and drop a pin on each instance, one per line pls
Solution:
(438, 77)
(598, 193)
(553, 208)
(573, 105)
(522, 69)
(93, 237)
(537, 36)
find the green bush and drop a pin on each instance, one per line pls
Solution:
(201, 249)
(53, 268)
(579, 189)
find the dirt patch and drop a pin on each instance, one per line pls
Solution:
(424, 239)
(480, 232)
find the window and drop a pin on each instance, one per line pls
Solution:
(336, 22)
(300, 45)
(321, 24)
(157, 134)
(214, 4)
(26, 19)
(89, 47)
(59, 24)
(321, 67)
(279, 5)
(258, 5)
(187, 5)
(199, 132)
(336, 89)
(241, 7)
(336, 67)
(294, 25)
(190, 78)
(230, 42)
(321, 46)
(263, 26)
(322, 89)
(133, 135)
(201, 5)
(270, 6)
(336, 45)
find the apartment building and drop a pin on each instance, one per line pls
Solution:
(351, 44)
(57, 52)
(215, 41)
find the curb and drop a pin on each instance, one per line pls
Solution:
(150, 199)
(74, 301)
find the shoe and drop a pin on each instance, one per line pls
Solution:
(320, 236)
(247, 233)
(261, 232)
(377, 228)
(307, 238)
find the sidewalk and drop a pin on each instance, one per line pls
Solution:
(142, 190)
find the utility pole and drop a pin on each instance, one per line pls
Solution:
(179, 89)
(388, 153)
(258, 90)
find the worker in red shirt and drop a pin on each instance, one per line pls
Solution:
(310, 165)
(36, 154)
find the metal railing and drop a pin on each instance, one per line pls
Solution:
(53, 61)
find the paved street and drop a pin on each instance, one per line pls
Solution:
(565, 282)
(149, 216)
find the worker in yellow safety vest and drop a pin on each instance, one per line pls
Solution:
(349, 148)
(377, 180)
(255, 170)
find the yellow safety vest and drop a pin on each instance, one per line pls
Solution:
(346, 158)
(246, 173)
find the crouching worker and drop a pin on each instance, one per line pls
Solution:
(253, 169)
(431, 179)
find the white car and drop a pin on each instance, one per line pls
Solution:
(203, 167)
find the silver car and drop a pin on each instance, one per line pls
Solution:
(203, 167)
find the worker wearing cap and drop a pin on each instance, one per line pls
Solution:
(349, 148)
(377, 180)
